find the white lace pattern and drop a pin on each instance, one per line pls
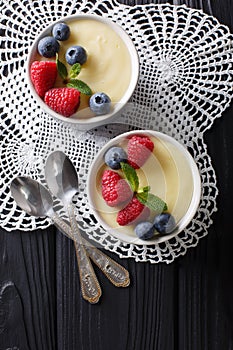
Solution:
(185, 84)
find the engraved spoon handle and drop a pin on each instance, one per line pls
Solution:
(89, 284)
(116, 273)
(90, 287)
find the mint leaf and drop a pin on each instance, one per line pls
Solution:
(131, 176)
(62, 71)
(145, 189)
(80, 86)
(151, 201)
(75, 70)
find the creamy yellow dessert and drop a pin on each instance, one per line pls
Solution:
(169, 176)
(108, 65)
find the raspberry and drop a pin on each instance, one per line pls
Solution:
(139, 149)
(115, 189)
(132, 213)
(64, 101)
(43, 76)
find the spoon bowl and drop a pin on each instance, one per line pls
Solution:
(32, 197)
(61, 176)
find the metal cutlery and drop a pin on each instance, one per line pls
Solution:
(36, 200)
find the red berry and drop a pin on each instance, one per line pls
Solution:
(139, 149)
(43, 76)
(134, 211)
(64, 101)
(115, 189)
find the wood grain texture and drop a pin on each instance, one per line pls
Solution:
(27, 290)
(186, 305)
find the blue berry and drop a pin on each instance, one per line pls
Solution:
(61, 31)
(48, 47)
(144, 230)
(164, 223)
(76, 54)
(114, 156)
(100, 103)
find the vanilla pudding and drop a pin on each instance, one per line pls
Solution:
(108, 66)
(171, 174)
(109, 63)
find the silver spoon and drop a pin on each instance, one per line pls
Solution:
(62, 180)
(36, 200)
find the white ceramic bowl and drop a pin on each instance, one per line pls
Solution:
(92, 121)
(170, 171)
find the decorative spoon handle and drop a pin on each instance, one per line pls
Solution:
(90, 287)
(116, 273)
(89, 284)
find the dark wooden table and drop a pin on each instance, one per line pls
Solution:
(186, 305)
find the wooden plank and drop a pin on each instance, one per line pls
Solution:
(127, 318)
(27, 290)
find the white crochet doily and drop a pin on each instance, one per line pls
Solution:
(185, 83)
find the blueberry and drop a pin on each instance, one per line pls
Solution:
(100, 103)
(144, 230)
(114, 156)
(61, 31)
(164, 223)
(76, 54)
(48, 47)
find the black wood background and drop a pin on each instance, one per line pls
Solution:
(186, 305)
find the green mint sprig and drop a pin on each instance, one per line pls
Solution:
(80, 86)
(70, 79)
(61, 68)
(75, 70)
(151, 201)
(143, 194)
(131, 175)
